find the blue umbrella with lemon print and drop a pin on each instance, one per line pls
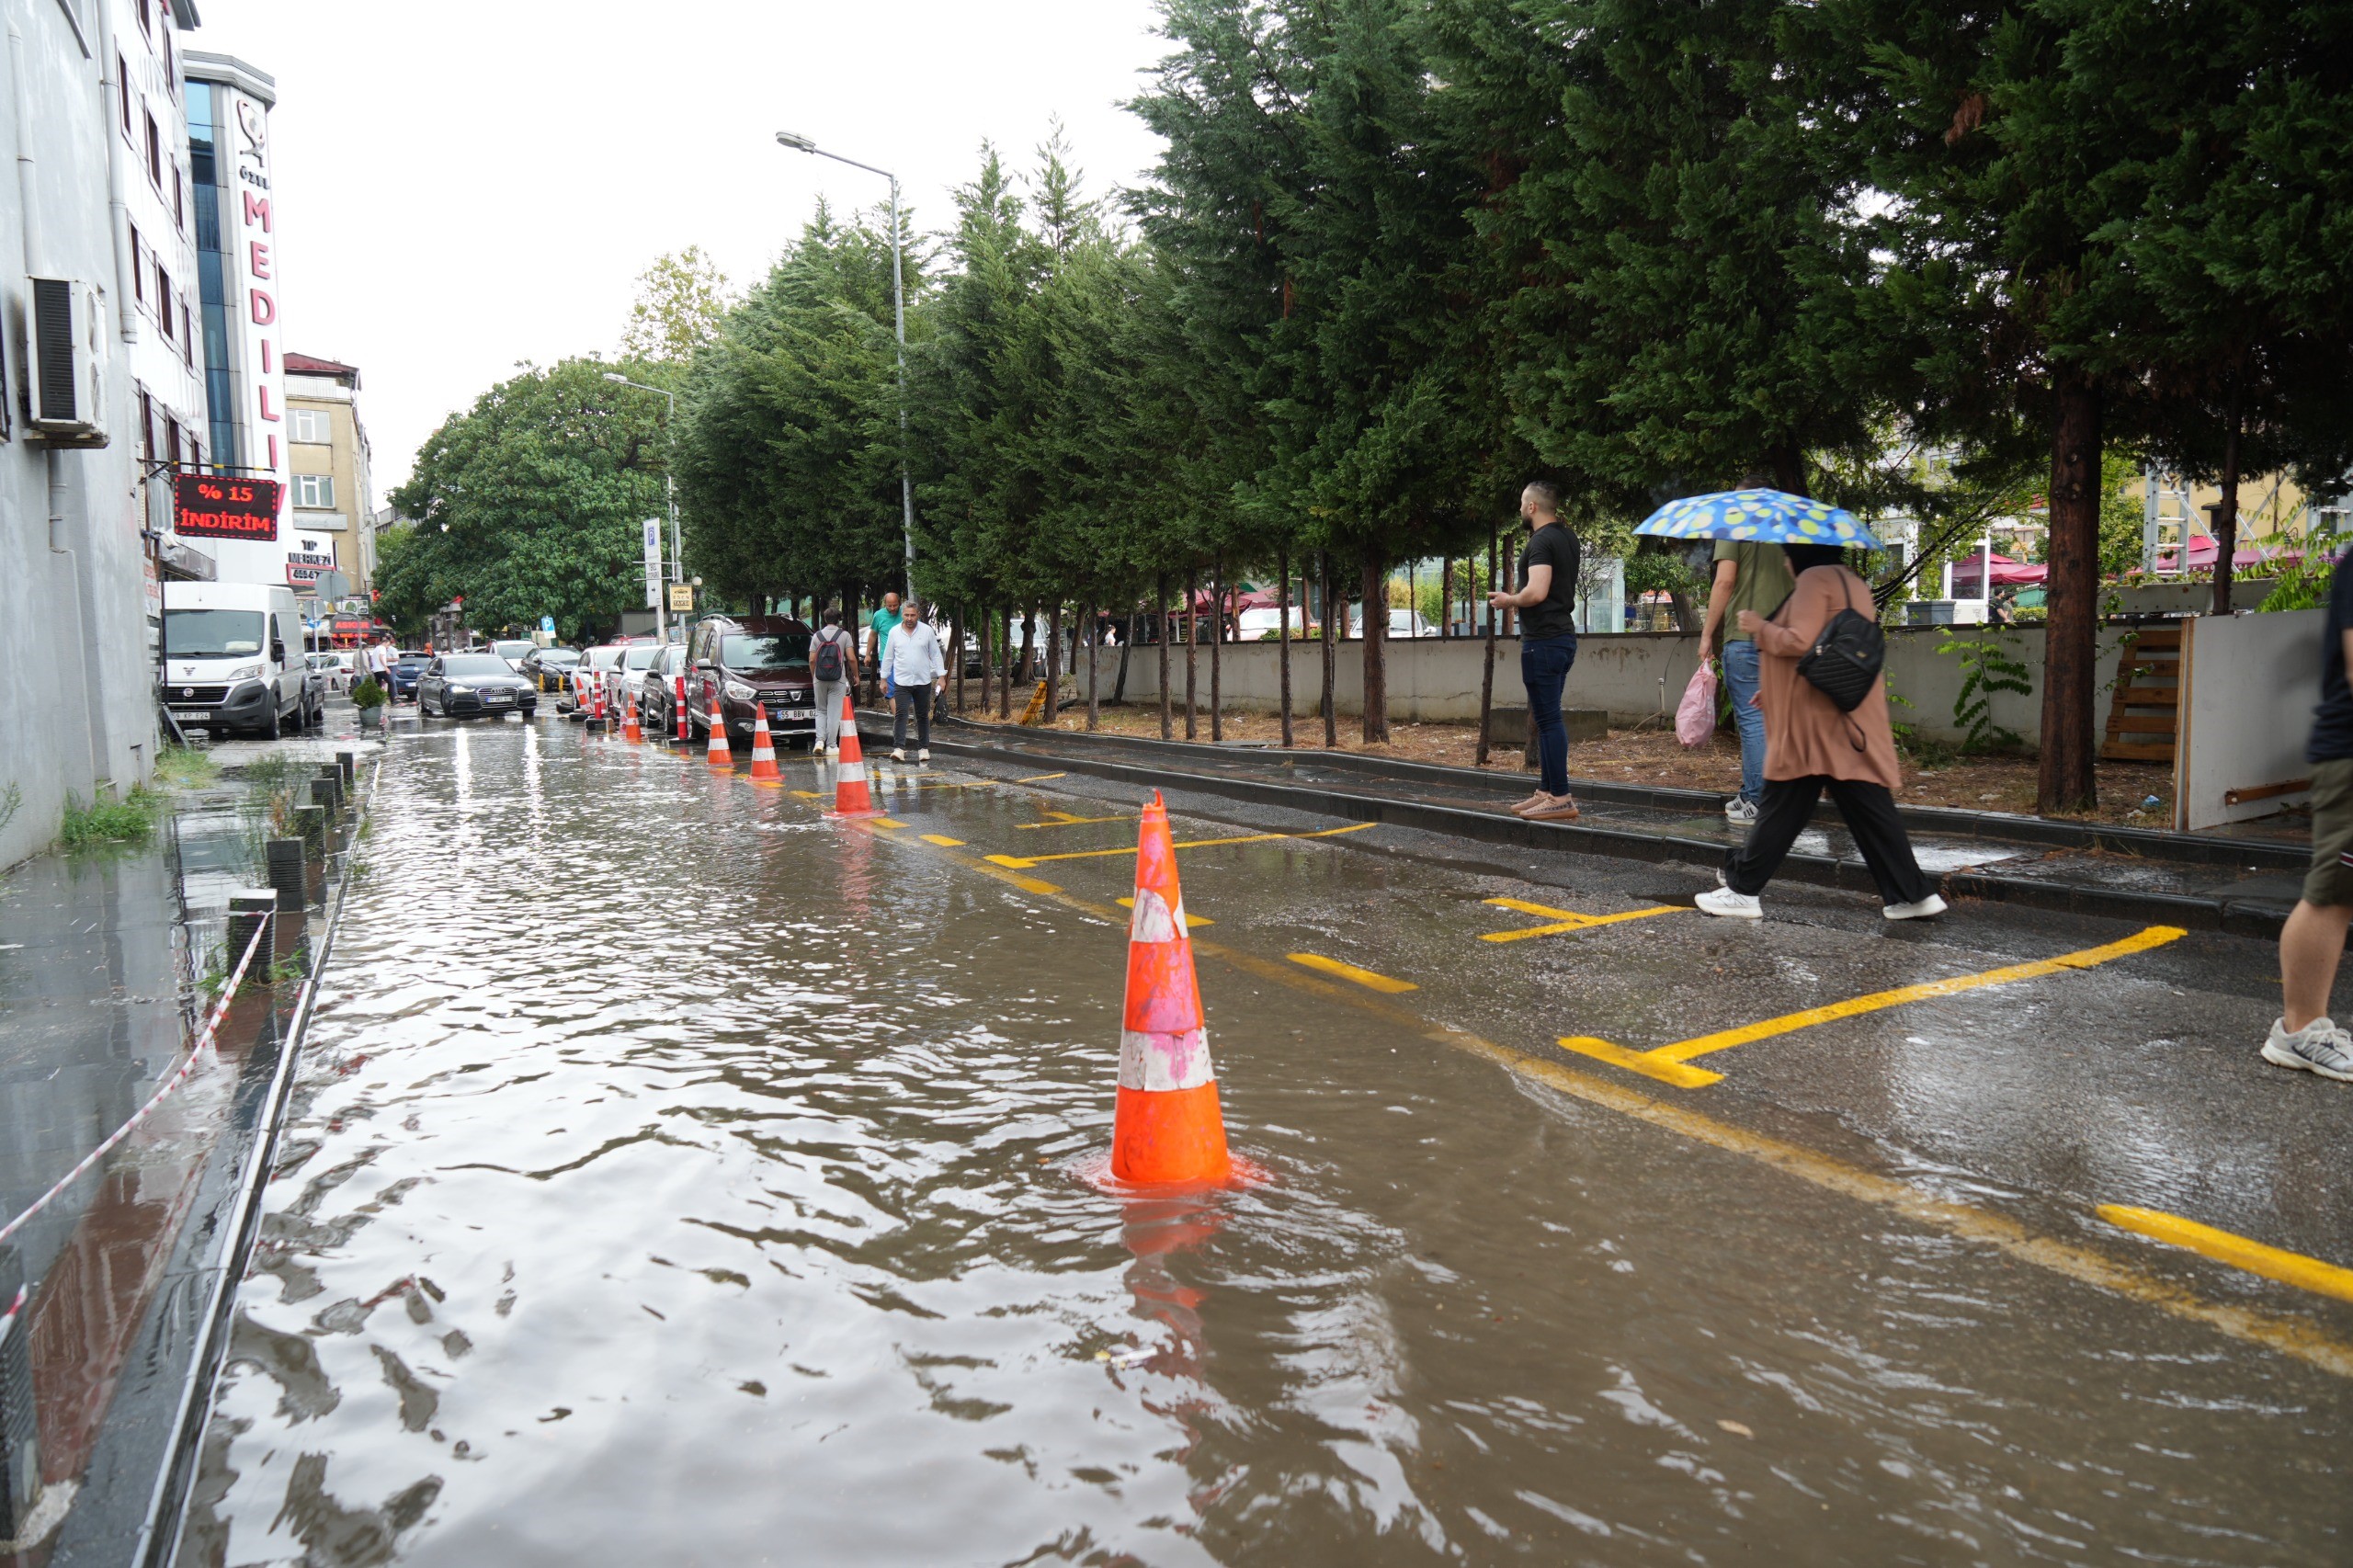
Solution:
(1766, 516)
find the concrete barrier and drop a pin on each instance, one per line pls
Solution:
(1633, 676)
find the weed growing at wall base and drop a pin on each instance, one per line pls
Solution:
(128, 820)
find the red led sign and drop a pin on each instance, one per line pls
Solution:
(215, 507)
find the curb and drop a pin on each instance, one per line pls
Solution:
(2236, 916)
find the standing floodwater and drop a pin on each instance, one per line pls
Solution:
(679, 1177)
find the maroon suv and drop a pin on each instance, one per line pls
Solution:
(741, 664)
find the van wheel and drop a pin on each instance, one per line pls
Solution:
(277, 730)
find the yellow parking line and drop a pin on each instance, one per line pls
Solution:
(1025, 861)
(1567, 919)
(1040, 778)
(942, 840)
(1192, 919)
(2272, 1262)
(1668, 1061)
(884, 822)
(1064, 819)
(1363, 977)
(809, 794)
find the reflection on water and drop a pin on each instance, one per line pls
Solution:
(678, 1177)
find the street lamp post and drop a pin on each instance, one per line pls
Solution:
(899, 307)
(669, 494)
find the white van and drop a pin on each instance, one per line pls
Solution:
(233, 657)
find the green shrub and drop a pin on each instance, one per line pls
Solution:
(128, 820)
(2304, 586)
(186, 765)
(368, 694)
(1986, 667)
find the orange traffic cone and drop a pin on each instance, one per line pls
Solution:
(597, 723)
(630, 730)
(1167, 1126)
(850, 796)
(722, 760)
(686, 735)
(763, 748)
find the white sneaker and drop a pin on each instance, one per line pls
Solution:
(833, 751)
(1927, 908)
(898, 755)
(1739, 810)
(2319, 1047)
(924, 754)
(1731, 905)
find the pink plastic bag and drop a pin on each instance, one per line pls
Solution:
(1695, 716)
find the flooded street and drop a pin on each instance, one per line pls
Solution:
(678, 1176)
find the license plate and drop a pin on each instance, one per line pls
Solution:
(495, 697)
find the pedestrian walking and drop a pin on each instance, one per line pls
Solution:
(878, 627)
(916, 671)
(1546, 600)
(833, 669)
(1813, 745)
(1749, 575)
(2313, 941)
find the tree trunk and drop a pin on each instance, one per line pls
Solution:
(2067, 782)
(1376, 662)
(1282, 655)
(1789, 469)
(1092, 625)
(988, 660)
(1331, 716)
(1160, 614)
(1217, 654)
(1005, 685)
(1192, 653)
(1684, 619)
(1120, 687)
(956, 658)
(1054, 677)
(1488, 676)
(1445, 598)
(2226, 506)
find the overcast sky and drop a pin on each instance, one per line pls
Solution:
(464, 184)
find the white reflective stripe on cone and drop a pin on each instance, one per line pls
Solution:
(1156, 1062)
(1154, 921)
(853, 773)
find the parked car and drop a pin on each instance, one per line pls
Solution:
(629, 674)
(594, 668)
(232, 658)
(761, 660)
(1403, 624)
(461, 686)
(513, 650)
(328, 668)
(1266, 625)
(406, 671)
(657, 690)
(547, 666)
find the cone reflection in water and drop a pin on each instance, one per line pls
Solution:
(1168, 1127)
(851, 798)
(764, 769)
(717, 753)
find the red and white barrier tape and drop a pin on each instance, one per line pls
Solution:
(179, 1076)
(8, 1318)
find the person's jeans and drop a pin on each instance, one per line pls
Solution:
(1740, 675)
(1544, 669)
(827, 696)
(919, 698)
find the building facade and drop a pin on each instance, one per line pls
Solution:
(330, 512)
(235, 219)
(97, 294)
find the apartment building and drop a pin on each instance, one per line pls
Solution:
(330, 515)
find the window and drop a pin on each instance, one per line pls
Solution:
(315, 490)
(122, 80)
(147, 18)
(314, 425)
(154, 152)
(164, 301)
(138, 269)
(188, 336)
(146, 424)
(171, 66)
(194, 453)
(172, 440)
(179, 199)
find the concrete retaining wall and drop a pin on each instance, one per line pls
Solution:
(1636, 676)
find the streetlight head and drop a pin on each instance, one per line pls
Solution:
(616, 376)
(798, 143)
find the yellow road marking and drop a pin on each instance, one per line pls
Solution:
(942, 840)
(2286, 1336)
(809, 794)
(2272, 1262)
(1666, 1063)
(884, 822)
(1363, 977)
(1025, 861)
(1040, 778)
(1192, 919)
(1565, 919)
(1064, 819)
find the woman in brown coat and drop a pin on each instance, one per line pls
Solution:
(1811, 746)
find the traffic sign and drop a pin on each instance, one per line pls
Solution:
(546, 623)
(682, 597)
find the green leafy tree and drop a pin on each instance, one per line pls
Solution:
(531, 504)
(681, 300)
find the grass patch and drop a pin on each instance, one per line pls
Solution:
(185, 767)
(130, 820)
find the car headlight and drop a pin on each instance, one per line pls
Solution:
(245, 672)
(462, 691)
(737, 692)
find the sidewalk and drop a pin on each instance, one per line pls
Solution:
(2242, 885)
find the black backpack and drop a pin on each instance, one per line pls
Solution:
(828, 664)
(1848, 655)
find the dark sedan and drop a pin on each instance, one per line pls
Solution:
(406, 669)
(462, 686)
(548, 666)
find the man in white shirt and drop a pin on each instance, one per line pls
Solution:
(918, 672)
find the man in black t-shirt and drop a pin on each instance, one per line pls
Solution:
(1546, 600)
(2314, 939)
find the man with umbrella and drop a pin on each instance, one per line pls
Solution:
(1824, 699)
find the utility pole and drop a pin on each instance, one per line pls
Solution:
(670, 488)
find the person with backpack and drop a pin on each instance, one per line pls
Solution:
(833, 670)
(1825, 728)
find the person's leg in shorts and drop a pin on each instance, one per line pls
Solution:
(2313, 941)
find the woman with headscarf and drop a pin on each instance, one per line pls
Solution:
(1811, 747)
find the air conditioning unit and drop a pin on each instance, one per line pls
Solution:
(66, 388)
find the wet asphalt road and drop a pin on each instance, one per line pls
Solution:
(680, 1176)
